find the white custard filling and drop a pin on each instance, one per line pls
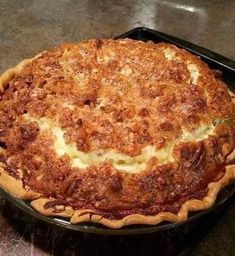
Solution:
(120, 161)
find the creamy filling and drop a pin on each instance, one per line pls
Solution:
(169, 54)
(123, 162)
(68, 105)
(194, 72)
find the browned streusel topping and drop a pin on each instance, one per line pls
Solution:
(124, 97)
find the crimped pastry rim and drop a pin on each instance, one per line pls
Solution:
(15, 187)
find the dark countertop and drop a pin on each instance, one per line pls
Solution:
(30, 26)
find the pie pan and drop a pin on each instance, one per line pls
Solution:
(213, 60)
(92, 228)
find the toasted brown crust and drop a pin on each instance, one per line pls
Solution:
(14, 187)
(102, 193)
(182, 215)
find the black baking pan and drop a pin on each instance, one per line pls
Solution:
(215, 61)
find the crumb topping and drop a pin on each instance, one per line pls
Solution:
(121, 126)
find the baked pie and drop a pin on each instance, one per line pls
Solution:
(116, 132)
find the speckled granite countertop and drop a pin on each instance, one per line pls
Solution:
(30, 26)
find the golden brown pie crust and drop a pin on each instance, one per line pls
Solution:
(15, 186)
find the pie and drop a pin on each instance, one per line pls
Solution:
(116, 132)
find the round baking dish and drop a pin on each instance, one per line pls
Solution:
(93, 228)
